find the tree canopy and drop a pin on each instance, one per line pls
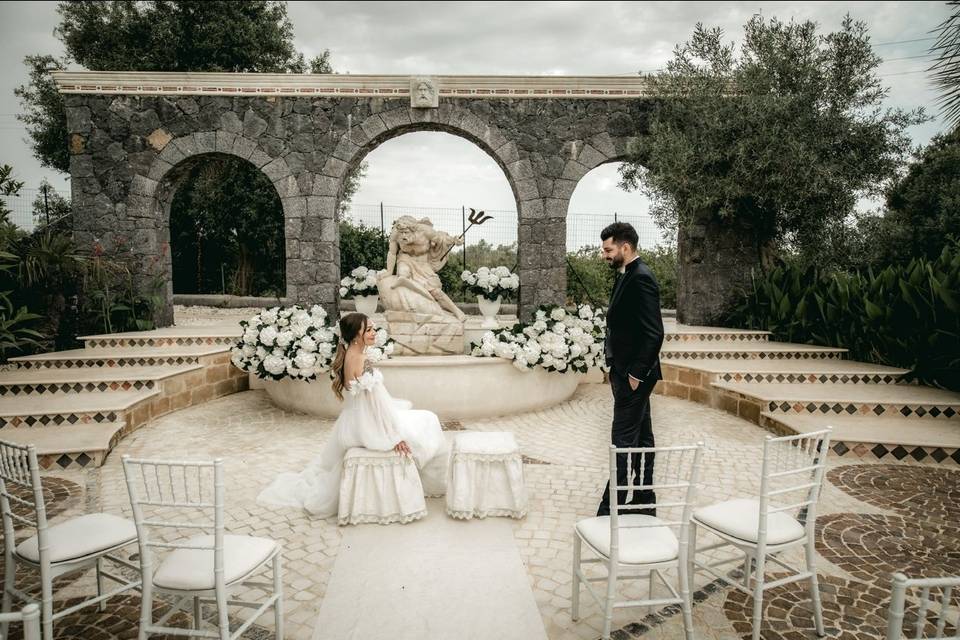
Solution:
(778, 138)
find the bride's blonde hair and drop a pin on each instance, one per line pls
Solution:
(351, 326)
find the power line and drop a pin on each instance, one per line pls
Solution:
(884, 44)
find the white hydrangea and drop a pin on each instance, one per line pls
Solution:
(275, 364)
(558, 314)
(305, 360)
(268, 335)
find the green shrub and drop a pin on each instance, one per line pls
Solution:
(590, 278)
(904, 315)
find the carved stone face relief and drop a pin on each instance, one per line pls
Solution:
(423, 93)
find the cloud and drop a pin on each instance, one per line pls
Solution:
(604, 38)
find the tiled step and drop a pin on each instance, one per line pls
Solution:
(45, 380)
(698, 350)
(68, 409)
(82, 445)
(907, 401)
(879, 438)
(711, 335)
(121, 357)
(212, 335)
(818, 371)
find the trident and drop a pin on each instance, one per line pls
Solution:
(475, 217)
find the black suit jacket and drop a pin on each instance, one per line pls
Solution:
(634, 324)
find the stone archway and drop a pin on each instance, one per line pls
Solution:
(127, 130)
(151, 195)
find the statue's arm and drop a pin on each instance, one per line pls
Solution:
(440, 246)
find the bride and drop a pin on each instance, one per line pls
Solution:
(370, 418)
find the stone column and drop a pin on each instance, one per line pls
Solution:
(542, 251)
(715, 259)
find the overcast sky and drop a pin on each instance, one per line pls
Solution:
(564, 38)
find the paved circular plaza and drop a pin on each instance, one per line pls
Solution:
(873, 518)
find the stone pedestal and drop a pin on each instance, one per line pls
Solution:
(424, 334)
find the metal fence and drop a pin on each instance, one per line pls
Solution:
(31, 208)
(583, 229)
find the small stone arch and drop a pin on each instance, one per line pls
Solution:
(152, 190)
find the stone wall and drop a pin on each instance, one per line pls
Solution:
(129, 151)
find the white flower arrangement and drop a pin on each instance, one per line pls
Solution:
(293, 342)
(361, 282)
(557, 340)
(491, 283)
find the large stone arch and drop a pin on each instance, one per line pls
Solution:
(127, 131)
(455, 120)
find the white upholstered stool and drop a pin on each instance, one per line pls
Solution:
(486, 477)
(379, 487)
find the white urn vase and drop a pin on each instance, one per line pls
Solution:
(367, 305)
(489, 309)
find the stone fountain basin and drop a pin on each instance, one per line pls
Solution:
(453, 387)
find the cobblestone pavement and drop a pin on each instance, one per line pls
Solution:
(865, 510)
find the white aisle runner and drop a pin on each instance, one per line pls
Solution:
(437, 578)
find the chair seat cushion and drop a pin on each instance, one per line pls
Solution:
(741, 519)
(192, 569)
(638, 544)
(81, 536)
(495, 443)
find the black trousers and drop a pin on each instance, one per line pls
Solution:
(631, 428)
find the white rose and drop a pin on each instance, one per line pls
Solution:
(520, 363)
(541, 315)
(540, 326)
(502, 271)
(375, 354)
(249, 351)
(585, 313)
(308, 344)
(576, 351)
(275, 364)
(359, 272)
(561, 365)
(343, 292)
(388, 349)
(284, 338)
(325, 349)
(558, 314)
(268, 335)
(487, 349)
(292, 371)
(381, 338)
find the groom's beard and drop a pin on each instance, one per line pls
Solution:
(616, 262)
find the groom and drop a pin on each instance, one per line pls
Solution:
(632, 350)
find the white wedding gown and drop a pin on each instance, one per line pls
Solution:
(372, 419)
